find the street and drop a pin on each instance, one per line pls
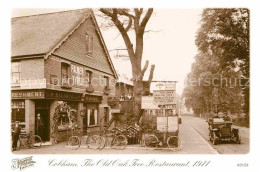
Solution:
(193, 134)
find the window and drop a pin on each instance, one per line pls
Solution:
(88, 76)
(106, 114)
(18, 112)
(106, 82)
(89, 44)
(64, 74)
(92, 115)
(54, 79)
(15, 73)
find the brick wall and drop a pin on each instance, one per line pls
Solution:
(32, 68)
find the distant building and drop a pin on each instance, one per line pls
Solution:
(60, 57)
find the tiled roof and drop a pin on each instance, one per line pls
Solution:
(38, 34)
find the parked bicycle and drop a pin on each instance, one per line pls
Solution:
(77, 138)
(29, 140)
(152, 142)
(112, 138)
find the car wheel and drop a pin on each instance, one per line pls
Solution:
(214, 139)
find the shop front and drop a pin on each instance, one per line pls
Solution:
(35, 109)
(91, 114)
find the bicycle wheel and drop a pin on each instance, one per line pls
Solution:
(151, 142)
(35, 141)
(18, 143)
(74, 142)
(174, 143)
(94, 142)
(120, 142)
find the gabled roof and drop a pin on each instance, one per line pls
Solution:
(42, 34)
(38, 34)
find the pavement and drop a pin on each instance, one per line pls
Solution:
(193, 134)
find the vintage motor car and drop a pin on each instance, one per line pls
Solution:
(222, 130)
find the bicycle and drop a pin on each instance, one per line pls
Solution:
(75, 140)
(152, 142)
(29, 140)
(118, 141)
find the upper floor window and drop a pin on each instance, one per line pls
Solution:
(15, 73)
(64, 74)
(89, 44)
(88, 76)
(106, 82)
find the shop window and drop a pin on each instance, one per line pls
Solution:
(92, 117)
(18, 112)
(15, 73)
(89, 44)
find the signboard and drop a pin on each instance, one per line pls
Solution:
(34, 94)
(115, 110)
(41, 94)
(163, 85)
(164, 97)
(148, 103)
(167, 125)
(33, 83)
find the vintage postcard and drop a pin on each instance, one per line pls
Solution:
(129, 87)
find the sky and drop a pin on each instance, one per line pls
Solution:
(171, 45)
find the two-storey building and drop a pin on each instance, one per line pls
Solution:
(60, 57)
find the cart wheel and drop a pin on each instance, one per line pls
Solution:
(214, 139)
(35, 141)
(174, 143)
(151, 142)
(74, 142)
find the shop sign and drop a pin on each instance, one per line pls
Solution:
(148, 103)
(62, 95)
(88, 98)
(164, 97)
(33, 83)
(27, 94)
(115, 110)
(163, 85)
(167, 124)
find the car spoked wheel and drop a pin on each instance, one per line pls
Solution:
(214, 139)
(238, 139)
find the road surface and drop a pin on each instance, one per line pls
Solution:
(193, 133)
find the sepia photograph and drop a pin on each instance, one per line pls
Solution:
(130, 81)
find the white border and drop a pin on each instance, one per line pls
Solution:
(225, 162)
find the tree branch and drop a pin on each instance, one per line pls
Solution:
(146, 18)
(151, 73)
(145, 67)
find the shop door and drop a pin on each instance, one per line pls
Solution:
(42, 125)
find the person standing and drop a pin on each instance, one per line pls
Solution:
(39, 125)
(16, 134)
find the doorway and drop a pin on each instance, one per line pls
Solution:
(42, 108)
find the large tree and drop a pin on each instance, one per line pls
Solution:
(126, 20)
(224, 33)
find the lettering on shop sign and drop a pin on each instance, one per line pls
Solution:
(92, 99)
(62, 95)
(27, 94)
